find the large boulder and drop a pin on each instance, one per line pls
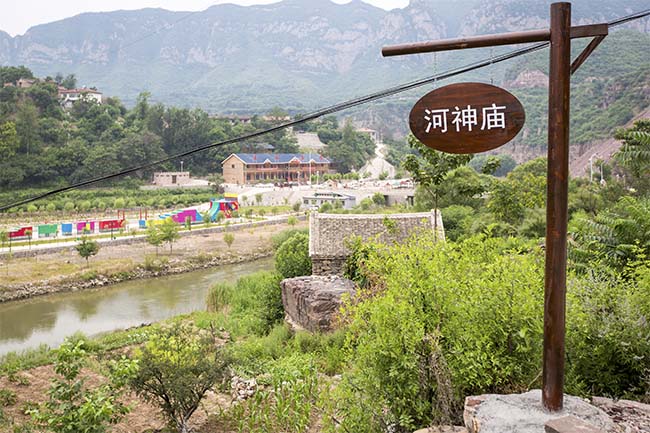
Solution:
(311, 302)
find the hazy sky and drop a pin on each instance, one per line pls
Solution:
(19, 15)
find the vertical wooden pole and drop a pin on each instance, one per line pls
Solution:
(556, 208)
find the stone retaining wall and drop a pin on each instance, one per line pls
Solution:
(328, 234)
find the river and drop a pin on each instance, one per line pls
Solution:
(50, 319)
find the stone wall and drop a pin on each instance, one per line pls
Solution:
(328, 234)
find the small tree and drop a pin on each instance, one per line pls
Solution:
(28, 233)
(188, 223)
(228, 238)
(258, 198)
(292, 220)
(296, 206)
(292, 258)
(4, 237)
(206, 218)
(169, 232)
(154, 237)
(74, 407)
(176, 367)
(87, 248)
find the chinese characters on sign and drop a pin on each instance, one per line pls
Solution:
(467, 118)
(493, 117)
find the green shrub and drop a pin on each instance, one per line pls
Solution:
(254, 301)
(176, 368)
(457, 221)
(7, 397)
(74, 407)
(608, 349)
(439, 321)
(292, 258)
(279, 238)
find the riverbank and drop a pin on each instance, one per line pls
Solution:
(64, 270)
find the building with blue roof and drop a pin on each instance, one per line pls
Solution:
(248, 168)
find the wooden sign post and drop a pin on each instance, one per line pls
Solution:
(561, 68)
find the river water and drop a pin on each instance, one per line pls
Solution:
(50, 319)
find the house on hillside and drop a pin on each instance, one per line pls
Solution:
(69, 96)
(246, 168)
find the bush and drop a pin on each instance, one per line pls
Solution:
(439, 321)
(457, 221)
(7, 397)
(73, 407)
(292, 258)
(254, 301)
(279, 238)
(608, 350)
(176, 367)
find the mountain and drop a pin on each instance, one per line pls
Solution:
(299, 54)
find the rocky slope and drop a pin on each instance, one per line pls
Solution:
(299, 54)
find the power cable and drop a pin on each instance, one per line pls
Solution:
(320, 113)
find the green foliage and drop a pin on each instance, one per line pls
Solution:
(7, 397)
(325, 207)
(176, 367)
(607, 345)
(457, 221)
(439, 321)
(87, 248)
(72, 406)
(169, 232)
(496, 165)
(634, 155)
(254, 303)
(228, 238)
(278, 238)
(348, 148)
(379, 199)
(292, 258)
(292, 220)
(154, 236)
(613, 237)
(523, 188)
(289, 402)
(430, 169)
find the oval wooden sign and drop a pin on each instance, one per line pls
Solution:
(467, 118)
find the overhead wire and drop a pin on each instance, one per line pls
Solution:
(318, 113)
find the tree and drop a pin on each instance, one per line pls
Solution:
(292, 220)
(228, 238)
(431, 169)
(153, 236)
(176, 367)
(292, 258)
(87, 248)
(216, 183)
(8, 140)
(634, 156)
(69, 82)
(74, 407)
(258, 198)
(169, 232)
(4, 237)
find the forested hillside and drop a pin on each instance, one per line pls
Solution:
(44, 145)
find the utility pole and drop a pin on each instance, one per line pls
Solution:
(559, 35)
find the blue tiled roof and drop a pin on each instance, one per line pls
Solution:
(280, 158)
